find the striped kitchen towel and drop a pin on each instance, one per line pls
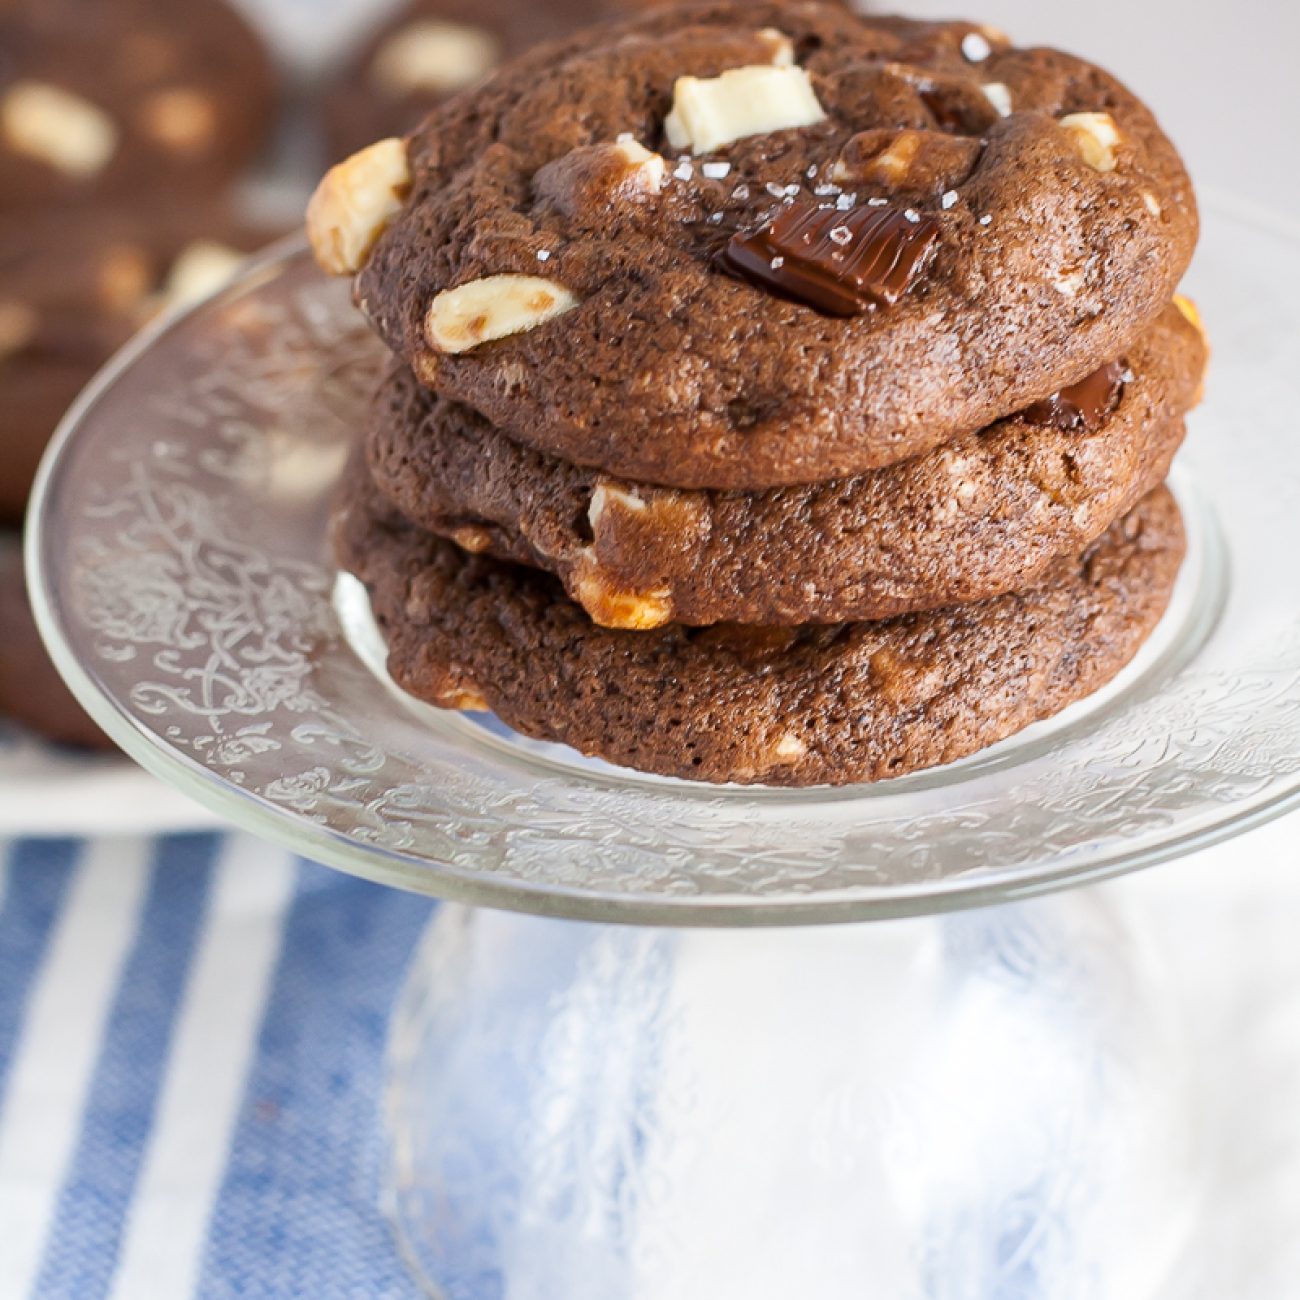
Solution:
(191, 1041)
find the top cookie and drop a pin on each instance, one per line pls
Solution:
(961, 228)
(124, 98)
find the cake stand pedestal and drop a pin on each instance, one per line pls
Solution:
(968, 1107)
(615, 1087)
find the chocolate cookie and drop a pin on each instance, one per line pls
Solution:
(31, 691)
(794, 706)
(73, 290)
(748, 246)
(432, 49)
(121, 99)
(980, 517)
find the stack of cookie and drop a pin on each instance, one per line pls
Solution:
(780, 395)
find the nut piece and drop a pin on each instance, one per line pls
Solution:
(465, 698)
(354, 203)
(610, 606)
(643, 171)
(472, 538)
(1191, 313)
(779, 46)
(183, 121)
(589, 179)
(892, 164)
(124, 277)
(709, 113)
(999, 96)
(609, 496)
(1096, 137)
(201, 269)
(18, 326)
(434, 57)
(493, 308)
(60, 129)
(908, 159)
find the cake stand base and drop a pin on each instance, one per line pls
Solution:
(983, 1106)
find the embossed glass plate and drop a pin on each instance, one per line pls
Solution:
(180, 566)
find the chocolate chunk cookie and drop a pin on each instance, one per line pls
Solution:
(73, 289)
(31, 691)
(750, 246)
(782, 706)
(980, 517)
(120, 99)
(432, 49)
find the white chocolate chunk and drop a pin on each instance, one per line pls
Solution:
(494, 308)
(435, 57)
(354, 203)
(712, 112)
(999, 96)
(202, 268)
(975, 48)
(60, 129)
(789, 749)
(1096, 136)
(1068, 283)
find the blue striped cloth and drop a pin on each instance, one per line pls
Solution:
(191, 1040)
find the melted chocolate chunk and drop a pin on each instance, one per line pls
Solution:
(1084, 405)
(841, 263)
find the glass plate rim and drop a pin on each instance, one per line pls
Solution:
(467, 885)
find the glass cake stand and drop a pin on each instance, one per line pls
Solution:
(959, 1105)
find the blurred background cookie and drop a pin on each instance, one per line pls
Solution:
(31, 691)
(118, 99)
(73, 289)
(431, 49)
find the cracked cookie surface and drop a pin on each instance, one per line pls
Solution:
(966, 522)
(782, 706)
(1062, 221)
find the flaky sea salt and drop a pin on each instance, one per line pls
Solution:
(716, 171)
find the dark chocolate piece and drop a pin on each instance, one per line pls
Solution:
(1083, 405)
(841, 263)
